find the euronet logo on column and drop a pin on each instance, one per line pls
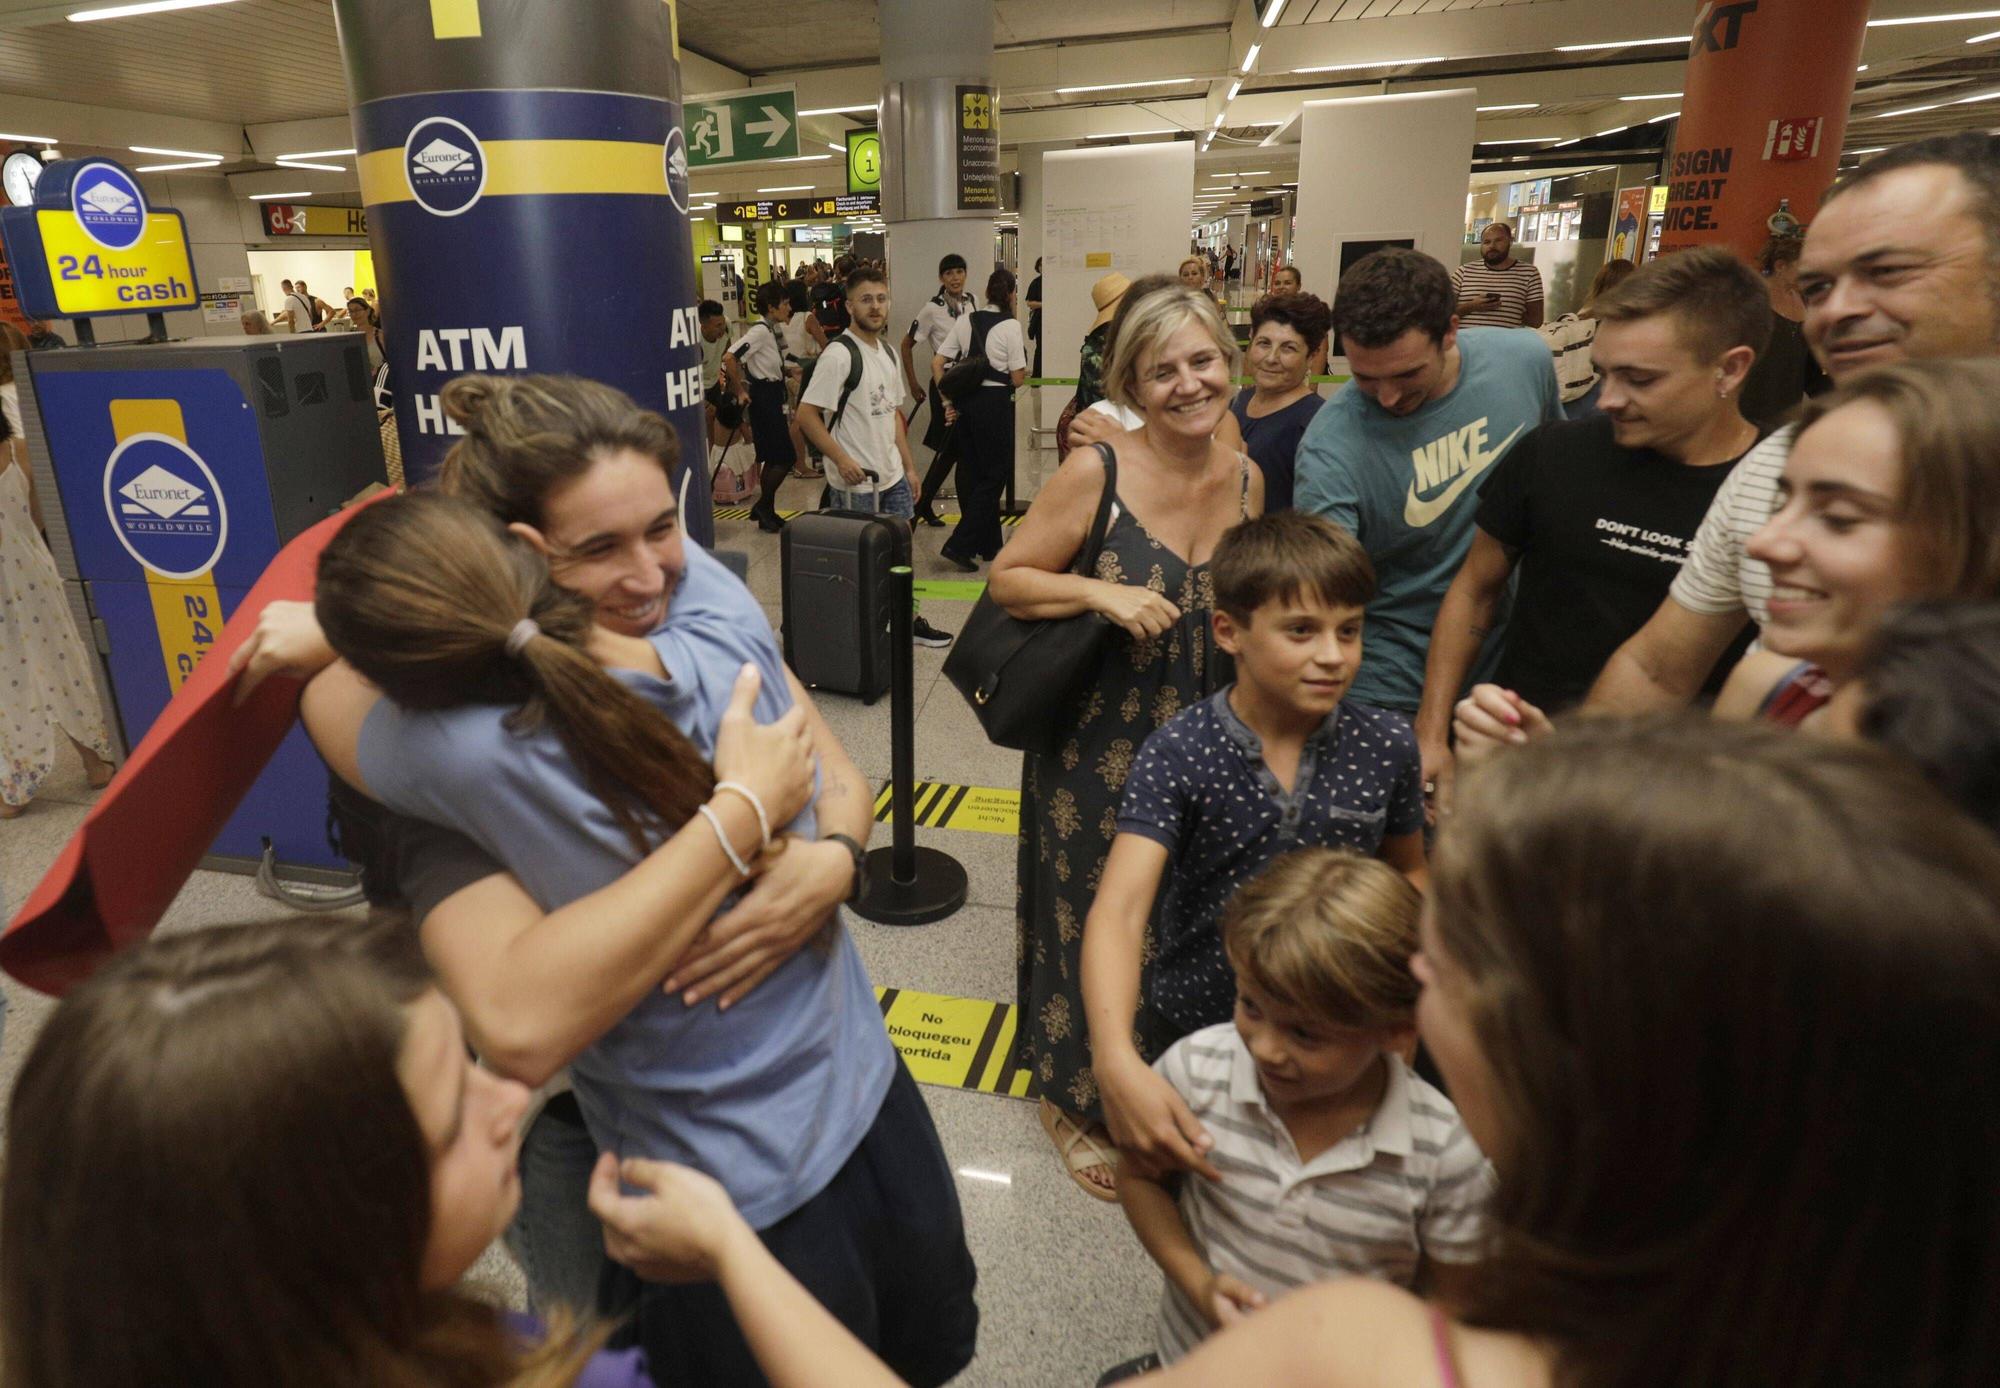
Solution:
(445, 165)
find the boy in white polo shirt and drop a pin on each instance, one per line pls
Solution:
(1326, 1154)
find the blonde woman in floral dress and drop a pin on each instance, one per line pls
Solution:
(46, 687)
(1178, 490)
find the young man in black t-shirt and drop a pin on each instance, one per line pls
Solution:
(1598, 513)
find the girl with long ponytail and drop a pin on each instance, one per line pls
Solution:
(555, 692)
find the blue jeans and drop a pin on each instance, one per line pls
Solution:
(555, 1238)
(896, 501)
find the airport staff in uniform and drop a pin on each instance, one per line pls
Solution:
(755, 370)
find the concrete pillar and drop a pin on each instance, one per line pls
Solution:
(939, 122)
(525, 176)
(1767, 93)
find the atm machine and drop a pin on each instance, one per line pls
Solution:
(172, 472)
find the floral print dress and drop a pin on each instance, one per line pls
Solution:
(46, 687)
(1069, 809)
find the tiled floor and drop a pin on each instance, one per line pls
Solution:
(1065, 1290)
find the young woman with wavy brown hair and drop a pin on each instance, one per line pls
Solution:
(257, 1156)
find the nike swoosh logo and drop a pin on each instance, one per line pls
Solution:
(1418, 513)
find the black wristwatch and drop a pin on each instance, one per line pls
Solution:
(860, 856)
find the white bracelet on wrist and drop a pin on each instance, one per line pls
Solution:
(722, 837)
(756, 805)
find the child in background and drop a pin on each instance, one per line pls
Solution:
(1336, 1159)
(1274, 762)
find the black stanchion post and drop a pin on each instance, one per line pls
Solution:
(907, 885)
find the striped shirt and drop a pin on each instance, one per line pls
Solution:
(1519, 287)
(1409, 1186)
(1719, 575)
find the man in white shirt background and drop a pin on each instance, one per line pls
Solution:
(861, 431)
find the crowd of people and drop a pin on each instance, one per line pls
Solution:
(1427, 1031)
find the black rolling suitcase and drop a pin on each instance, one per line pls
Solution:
(836, 598)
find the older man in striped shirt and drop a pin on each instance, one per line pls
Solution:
(1498, 291)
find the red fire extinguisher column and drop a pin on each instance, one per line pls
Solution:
(1762, 119)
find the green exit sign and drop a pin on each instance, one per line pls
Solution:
(864, 161)
(741, 127)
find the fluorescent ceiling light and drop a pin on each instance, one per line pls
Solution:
(318, 154)
(701, 207)
(300, 164)
(169, 168)
(1276, 8)
(1612, 131)
(801, 159)
(837, 110)
(1250, 58)
(1982, 38)
(175, 153)
(149, 7)
(1379, 62)
(1872, 149)
(837, 149)
(272, 197)
(1934, 19)
(1975, 100)
(1217, 125)
(1121, 86)
(1561, 144)
(1248, 173)
(1621, 43)
(789, 188)
(1234, 88)
(1516, 106)
(1654, 96)
(1668, 116)
(30, 139)
(1909, 111)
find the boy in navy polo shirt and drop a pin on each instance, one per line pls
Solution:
(1274, 762)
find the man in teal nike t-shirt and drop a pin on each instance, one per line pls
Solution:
(1398, 456)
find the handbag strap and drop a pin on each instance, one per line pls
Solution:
(1101, 524)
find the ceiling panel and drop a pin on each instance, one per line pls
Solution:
(261, 60)
(754, 38)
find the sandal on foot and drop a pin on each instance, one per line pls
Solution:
(1081, 1148)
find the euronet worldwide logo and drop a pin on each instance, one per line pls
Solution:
(108, 206)
(445, 165)
(677, 168)
(165, 506)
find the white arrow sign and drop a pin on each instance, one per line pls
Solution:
(773, 128)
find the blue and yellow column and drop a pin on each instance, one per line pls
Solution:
(525, 175)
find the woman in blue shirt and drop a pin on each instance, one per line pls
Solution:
(789, 1094)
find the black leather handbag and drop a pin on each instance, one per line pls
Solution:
(1021, 676)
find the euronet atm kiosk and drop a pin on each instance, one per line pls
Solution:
(172, 472)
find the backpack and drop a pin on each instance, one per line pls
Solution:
(972, 371)
(1569, 340)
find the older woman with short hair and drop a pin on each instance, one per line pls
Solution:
(1177, 489)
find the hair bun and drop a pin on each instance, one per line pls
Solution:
(467, 399)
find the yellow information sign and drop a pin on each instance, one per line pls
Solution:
(155, 274)
(941, 805)
(959, 1043)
